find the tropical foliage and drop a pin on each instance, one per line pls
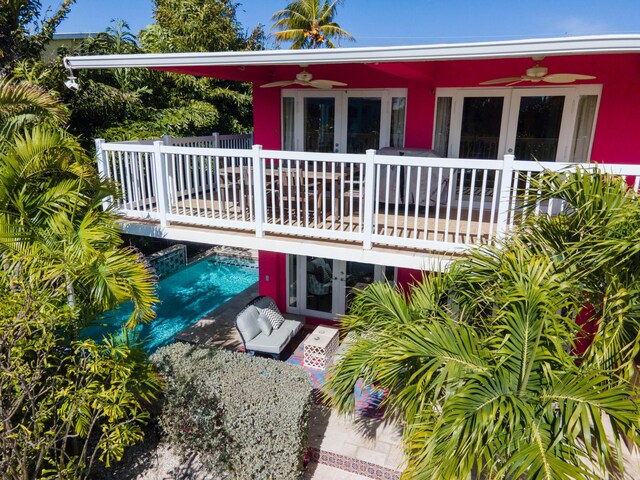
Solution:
(51, 209)
(309, 24)
(142, 103)
(481, 363)
(25, 31)
(65, 402)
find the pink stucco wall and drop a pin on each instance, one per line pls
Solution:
(617, 137)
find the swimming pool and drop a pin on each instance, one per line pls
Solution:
(185, 297)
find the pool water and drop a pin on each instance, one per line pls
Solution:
(185, 297)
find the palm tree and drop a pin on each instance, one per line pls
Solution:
(309, 24)
(51, 215)
(23, 104)
(479, 363)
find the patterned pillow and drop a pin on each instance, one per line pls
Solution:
(268, 308)
(274, 316)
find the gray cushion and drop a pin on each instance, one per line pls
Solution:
(293, 325)
(265, 325)
(273, 343)
(247, 322)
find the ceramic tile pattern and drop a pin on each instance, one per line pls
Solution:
(168, 261)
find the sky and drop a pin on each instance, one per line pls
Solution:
(406, 22)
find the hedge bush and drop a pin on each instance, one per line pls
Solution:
(246, 417)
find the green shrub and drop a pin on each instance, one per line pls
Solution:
(244, 416)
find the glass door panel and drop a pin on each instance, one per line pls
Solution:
(319, 283)
(363, 124)
(481, 127)
(538, 130)
(319, 124)
(480, 136)
(359, 275)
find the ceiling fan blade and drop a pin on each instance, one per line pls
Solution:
(502, 80)
(566, 77)
(326, 84)
(280, 83)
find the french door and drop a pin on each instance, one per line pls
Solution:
(324, 287)
(350, 121)
(542, 124)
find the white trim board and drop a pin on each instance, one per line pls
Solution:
(352, 253)
(414, 53)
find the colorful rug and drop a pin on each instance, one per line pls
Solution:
(368, 398)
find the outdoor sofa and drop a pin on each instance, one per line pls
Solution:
(264, 329)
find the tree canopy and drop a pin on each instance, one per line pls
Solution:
(25, 31)
(309, 24)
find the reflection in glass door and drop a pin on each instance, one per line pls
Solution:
(538, 130)
(480, 137)
(323, 287)
(481, 127)
(319, 124)
(363, 124)
(319, 282)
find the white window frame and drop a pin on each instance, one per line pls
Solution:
(341, 113)
(339, 285)
(510, 110)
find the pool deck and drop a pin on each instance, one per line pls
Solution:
(339, 446)
(217, 328)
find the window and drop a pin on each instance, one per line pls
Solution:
(288, 133)
(550, 123)
(343, 121)
(398, 114)
(442, 126)
(585, 121)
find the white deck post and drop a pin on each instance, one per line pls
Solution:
(168, 141)
(160, 167)
(258, 189)
(505, 196)
(369, 200)
(103, 168)
(215, 139)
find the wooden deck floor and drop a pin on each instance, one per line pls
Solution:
(466, 226)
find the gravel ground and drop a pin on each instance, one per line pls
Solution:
(153, 460)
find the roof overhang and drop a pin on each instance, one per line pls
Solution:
(601, 44)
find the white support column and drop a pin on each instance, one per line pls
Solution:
(160, 167)
(102, 162)
(369, 200)
(168, 141)
(505, 196)
(258, 189)
(103, 168)
(215, 139)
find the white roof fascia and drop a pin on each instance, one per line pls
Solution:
(415, 53)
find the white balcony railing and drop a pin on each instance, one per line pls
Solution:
(441, 204)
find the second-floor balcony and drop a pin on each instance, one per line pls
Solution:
(404, 200)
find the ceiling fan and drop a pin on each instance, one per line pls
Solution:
(305, 79)
(539, 74)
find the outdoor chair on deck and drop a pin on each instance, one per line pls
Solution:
(264, 329)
